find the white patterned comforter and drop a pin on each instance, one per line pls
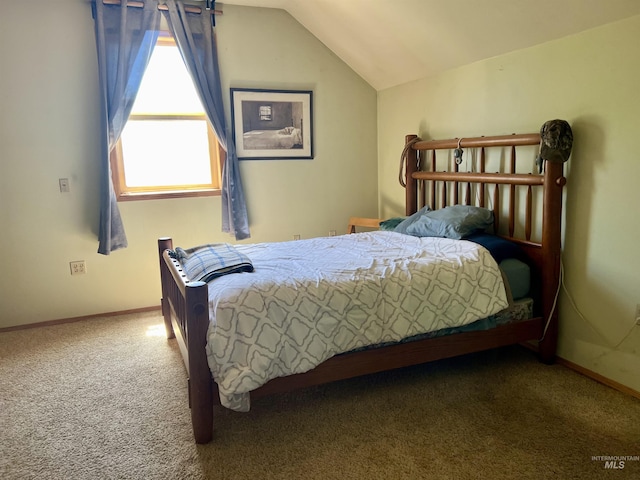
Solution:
(308, 300)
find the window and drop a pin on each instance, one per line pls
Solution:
(167, 148)
(265, 112)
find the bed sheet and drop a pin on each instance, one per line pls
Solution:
(308, 300)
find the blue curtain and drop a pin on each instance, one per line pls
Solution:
(125, 38)
(196, 41)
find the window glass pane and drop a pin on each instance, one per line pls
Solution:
(166, 152)
(166, 85)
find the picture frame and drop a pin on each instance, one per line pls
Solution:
(272, 124)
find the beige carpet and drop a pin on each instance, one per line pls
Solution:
(107, 399)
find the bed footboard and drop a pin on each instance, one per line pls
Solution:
(186, 317)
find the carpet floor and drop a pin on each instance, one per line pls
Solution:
(106, 399)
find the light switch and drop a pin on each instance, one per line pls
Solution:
(64, 185)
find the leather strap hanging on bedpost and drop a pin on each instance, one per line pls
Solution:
(403, 161)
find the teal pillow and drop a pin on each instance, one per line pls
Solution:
(391, 224)
(518, 276)
(456, 221)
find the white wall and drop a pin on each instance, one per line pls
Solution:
(48, 130)
(591, 81)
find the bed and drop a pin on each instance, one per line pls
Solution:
(284, 138)
(526, 211)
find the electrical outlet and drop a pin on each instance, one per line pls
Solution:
(638, 314)
(78, 267)
(64, 185)
(296, 237)
(332, 233)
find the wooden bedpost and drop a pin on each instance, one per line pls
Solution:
(411, 166)
(200, 381)
(554, 182)
(165, 243)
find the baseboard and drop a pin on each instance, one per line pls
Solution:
(61, 321)
(588, 373)
(598, 378)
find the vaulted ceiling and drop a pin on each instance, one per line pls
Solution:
(390, 42)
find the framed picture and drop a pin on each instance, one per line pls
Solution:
(272, 124)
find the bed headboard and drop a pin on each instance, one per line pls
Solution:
(499, 173)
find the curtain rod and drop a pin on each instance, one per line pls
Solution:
(187, 8)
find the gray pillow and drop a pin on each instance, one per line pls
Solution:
(402, 226)
(456, 222)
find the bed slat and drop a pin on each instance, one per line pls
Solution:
(483, 160)
(512, 195)
(529, 213)
(497, 209)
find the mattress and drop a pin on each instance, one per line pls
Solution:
(309, 300)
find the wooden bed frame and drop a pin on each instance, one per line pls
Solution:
(185, 303)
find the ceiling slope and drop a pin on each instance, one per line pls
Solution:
(391, 42)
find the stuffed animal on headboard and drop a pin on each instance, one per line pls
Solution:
(556, 140)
